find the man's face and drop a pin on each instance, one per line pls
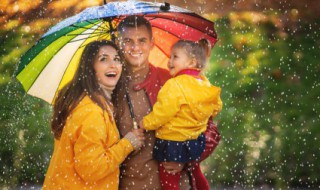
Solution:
(136, 45)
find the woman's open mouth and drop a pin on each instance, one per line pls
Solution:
(111, 74)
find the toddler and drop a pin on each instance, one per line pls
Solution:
(180, 115)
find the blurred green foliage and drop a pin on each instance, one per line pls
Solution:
(269, 123)
(270, 80)
(25, 137)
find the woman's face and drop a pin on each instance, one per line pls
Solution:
(107, 65)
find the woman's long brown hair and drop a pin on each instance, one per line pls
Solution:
(83, 83)
(119, 95)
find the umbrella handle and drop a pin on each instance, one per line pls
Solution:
(135, 124)
(165, 7)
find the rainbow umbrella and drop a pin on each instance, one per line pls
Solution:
(51, 63)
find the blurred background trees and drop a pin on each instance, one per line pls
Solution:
(266, 62)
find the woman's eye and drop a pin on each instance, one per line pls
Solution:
(103, 59)
(117, 59)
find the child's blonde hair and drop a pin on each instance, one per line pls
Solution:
(199, 50)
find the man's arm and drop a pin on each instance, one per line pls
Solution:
(212, 139)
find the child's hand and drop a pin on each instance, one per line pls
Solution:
(141, 124)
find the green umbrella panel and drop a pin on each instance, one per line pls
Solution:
(55, 58)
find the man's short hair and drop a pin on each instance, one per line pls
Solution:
(134, 21)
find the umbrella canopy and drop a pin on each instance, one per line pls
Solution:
(50, 64)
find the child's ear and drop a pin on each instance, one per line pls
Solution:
(194, 63)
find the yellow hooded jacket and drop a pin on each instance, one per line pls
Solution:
(89, 152)
(184, 105)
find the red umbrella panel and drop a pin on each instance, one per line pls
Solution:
(168, 28)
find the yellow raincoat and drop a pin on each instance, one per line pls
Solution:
(89, 152)
(184, 105)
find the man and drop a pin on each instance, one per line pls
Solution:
(133, 98)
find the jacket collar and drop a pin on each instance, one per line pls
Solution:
(192, 72)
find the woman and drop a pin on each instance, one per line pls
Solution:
(87, 148)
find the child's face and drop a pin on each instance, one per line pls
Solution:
(180, 60)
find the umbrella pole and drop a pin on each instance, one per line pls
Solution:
(112, 30)
(113, 37)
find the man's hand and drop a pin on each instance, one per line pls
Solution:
(173, 167)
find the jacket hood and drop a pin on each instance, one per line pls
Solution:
(202, 97)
